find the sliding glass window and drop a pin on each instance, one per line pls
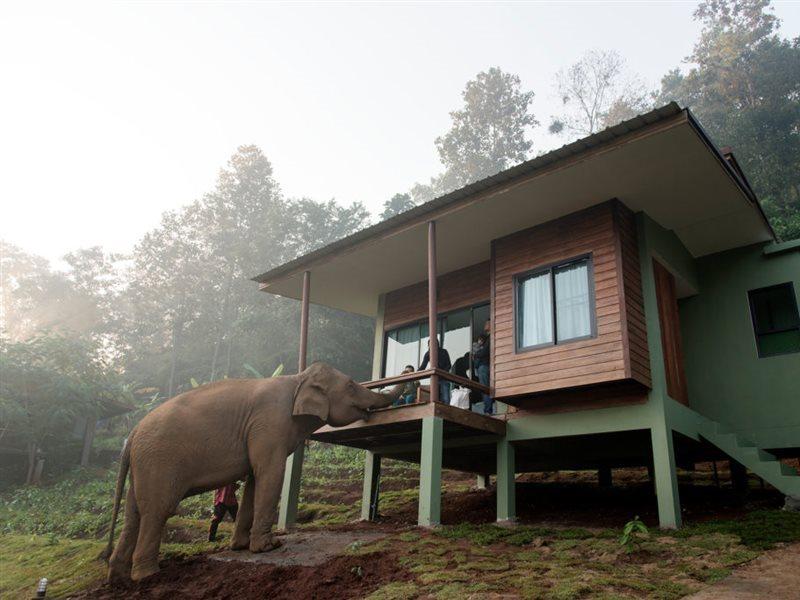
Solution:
(555, 305)
(457, 331)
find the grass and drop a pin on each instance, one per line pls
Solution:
(57, 532)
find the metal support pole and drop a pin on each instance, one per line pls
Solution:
(290, 493)
(432, 311)
(301, 359)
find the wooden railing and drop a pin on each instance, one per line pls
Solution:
(425, 374)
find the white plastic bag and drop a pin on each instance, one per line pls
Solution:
(459, 398)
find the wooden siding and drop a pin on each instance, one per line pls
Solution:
(457, 289)
(633, 306)
(605, 232)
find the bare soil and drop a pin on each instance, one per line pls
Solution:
(201, 577)
(774, 575)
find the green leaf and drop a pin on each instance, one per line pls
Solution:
(277, 372)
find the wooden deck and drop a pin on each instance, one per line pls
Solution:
(469, 438)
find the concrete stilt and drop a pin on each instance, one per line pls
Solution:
(506, 485)
(430, 472)
(290, 493)
(372, 484)
(669, 504)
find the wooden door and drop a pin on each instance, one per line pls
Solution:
(670, 333)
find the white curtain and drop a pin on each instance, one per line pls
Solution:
(537, 311)
(572, 301)
(402, 348)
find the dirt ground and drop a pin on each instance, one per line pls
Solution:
(774, 575)
(201, 577)
(313, 564)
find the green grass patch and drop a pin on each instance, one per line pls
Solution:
(759, 530)
(69, 565)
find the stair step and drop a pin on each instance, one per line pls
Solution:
(758, 454)
(744, 442)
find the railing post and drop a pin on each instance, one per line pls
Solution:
(290, 494)
(432, 311)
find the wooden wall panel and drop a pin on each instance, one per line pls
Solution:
(633, 305)
(598, 232)
(457, 289)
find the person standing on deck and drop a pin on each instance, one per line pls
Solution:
(444, 365)
(480, 359)
(224, 501)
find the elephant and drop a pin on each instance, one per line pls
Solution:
(219, 433)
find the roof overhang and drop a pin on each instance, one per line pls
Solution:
(661, 163)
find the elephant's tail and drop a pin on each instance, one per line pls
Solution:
(124, 465)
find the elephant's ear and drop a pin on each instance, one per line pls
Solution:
(310, 398)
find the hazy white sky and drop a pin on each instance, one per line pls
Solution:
(113, 113)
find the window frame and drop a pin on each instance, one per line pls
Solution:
(550, 268)
(439, 322)
(756, 335)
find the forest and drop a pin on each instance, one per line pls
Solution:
(113, 333)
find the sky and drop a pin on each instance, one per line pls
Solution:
(112, 113)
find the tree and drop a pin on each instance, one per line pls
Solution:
(489, 132)
(744, 86)
(48, 381)
(597, 93)
(396, 204)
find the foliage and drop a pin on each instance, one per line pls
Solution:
(77, 506)
(759, 530)
(488, 133)
(597, 93)
(395, 205)
(49, 381)
(744, 86)
(630, 534)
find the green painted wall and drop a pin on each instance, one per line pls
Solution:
(728, 382)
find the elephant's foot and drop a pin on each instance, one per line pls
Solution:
(264, 543)
(118, 573)
(240, 541)
(139, 572)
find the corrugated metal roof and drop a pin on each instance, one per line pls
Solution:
(575, 148)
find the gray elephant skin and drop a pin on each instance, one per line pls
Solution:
(219, 433)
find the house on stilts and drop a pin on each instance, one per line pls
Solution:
(642, 313)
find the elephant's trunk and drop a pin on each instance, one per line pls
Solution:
(384, 399)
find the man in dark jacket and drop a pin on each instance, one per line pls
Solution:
(444, 365)
(480, 359)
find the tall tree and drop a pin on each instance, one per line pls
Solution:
(489, 132)
(744, 85)
(596, 92)
(396, 204)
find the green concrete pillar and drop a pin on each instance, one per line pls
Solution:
(506, 485)
(290, 493)
(669, 503)
(430, 472)
(372, 484)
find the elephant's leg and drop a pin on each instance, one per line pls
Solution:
(268, 482)
(145, 556)
(119, 565)
(244, 518)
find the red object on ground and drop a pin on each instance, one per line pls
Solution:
(226, 495)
